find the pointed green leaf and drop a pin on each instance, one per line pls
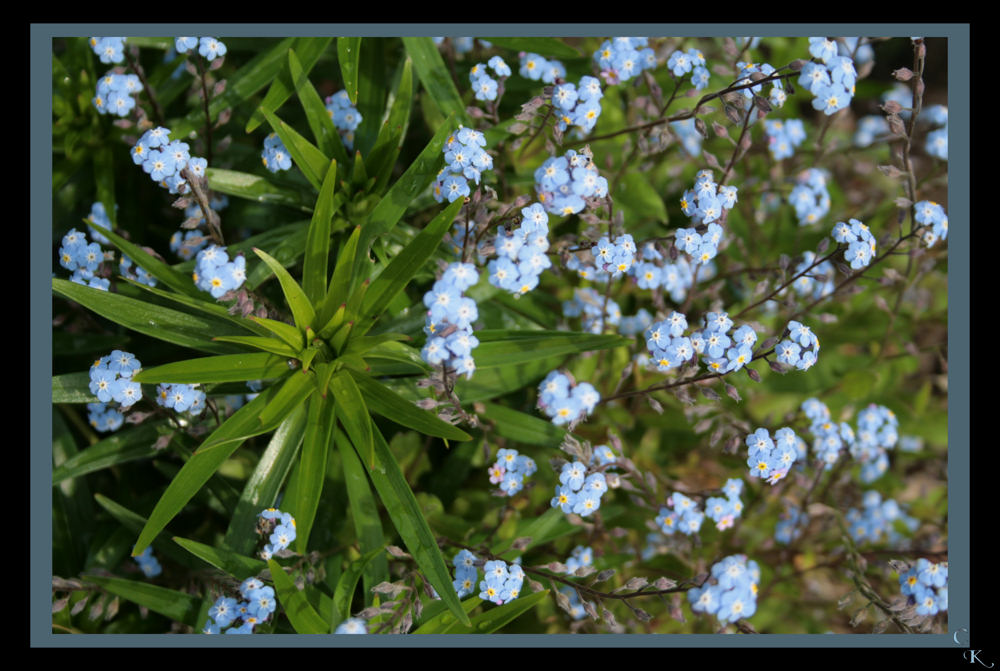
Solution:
(317, 116)
(372, 88)
(170, 603)
(348, 582)
(437, 619)
(104, 177)
(290, 335)
(317, 252)
(222, 368)
(348, 54)
(552, 47)
(125, 445)
(382, 157)
(304, 618)
(522, 427)
(134, 523)
(408, 262)
(495, 619)
(308, 158)
(256, 188)
(236, 565)
(434, 76)
(72, 388)
(272, 345)
(312, 469)
(180, 328)
(308, 51)
(383, 401)
(409, 520)
(341, 282)
(298, 302)
(262, 487)
(155, 267)
(353, 415)
(359, 175)
(292, 393)
(506, 348)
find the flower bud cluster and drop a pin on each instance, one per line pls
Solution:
(565, 183)
(345, 116)
(564, 401)
(450, 316)
(521, 253)
(925, 585)
(622, 58)
(216, 274)
(731, 592)
(800, 349)
(511, 470)
(771, 460)
(466, 158)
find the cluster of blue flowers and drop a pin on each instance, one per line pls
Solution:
(784, 136)
(461, 45)
(776, 97)
(181, 397)
(502, 583)
(465, 573)
(704, 204)
(874, 523)
(724, 510)
(83, 259)
(578, 105)
(633, 325)
(771, 460)
(829, 437)
(140, 274)
(345, 116)
(104, 417)
(352, 625)
(279, 528)
(209, 47)
(579, 557)
(810, 197)
(580, 489)
(931, 214)
(870, 128)
(114, 93)
(937, 139)
(577, 611)
(216, 274)
(790, 524)
(731, 592)
(187, 244)
(111, 378)
(450, 315)
(800, 348)
(592, 307)
(818, 281)
(255, 607)
(622, 58)
(565, 183)
(485, 87)
(274, 155)
(667, 345)
(535, 67)
(722, 351)
(465, 158)
(109, 49)
(687, 133)
(163, 159)
(832, 82)
(680, 514)
(564, 401)
(148, 564)
(654, 271)
(511, 470)
(691, 62)
(98, 215)
(521, 253)
(859, 239)
(876, 433)
(925, 585)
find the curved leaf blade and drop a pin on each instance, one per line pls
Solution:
(383, 401)
(128, 444)
(304, 618)
(319, 423)
(308, 51)
(317, 252)
(348, 54)
(298, 302)
(222, 368)
(434, 76)
(308, 158)
(236, 565)
(348, 582)
(167, 602)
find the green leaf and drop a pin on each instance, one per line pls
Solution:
(506, 348)
(421, 173)
(312, 467)
(236, 565)
(382, 157)
(317, 252)
(364, 514)
(494, 619)
(395, 358)
(125, 445)
(222, 368)
(522, 427)
(348, 582)
(317, 116)
(304, 619)
(637, 195)
(172, 326)
(263, 485)
(408, 262)
(308, 51)
(272, 345)
(437, 619)
(72, 388)
(167, 602)
(104, 176)
(256, 188)
(292, 393)
(308, 158)
(383, 401)
(409, 520)
(434, 76)
(158, 269)
(348, 54)
(133, 522)
(290, 335)
(353, 415)
(552, 47)
(302, 310)
(342, 281)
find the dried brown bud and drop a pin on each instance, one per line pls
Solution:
(903, 74)
(796, 65)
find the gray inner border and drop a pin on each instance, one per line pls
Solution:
(40, 313)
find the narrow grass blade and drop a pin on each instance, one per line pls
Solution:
(382, 400)
(304, 618)
(434, 76)
(346, 585)
(236, 565)
(308, 158)
(298, 302)
(317, 252)
(348, 54)
(170, 603)
(316, 443)
(308, 51)
(125, 445)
